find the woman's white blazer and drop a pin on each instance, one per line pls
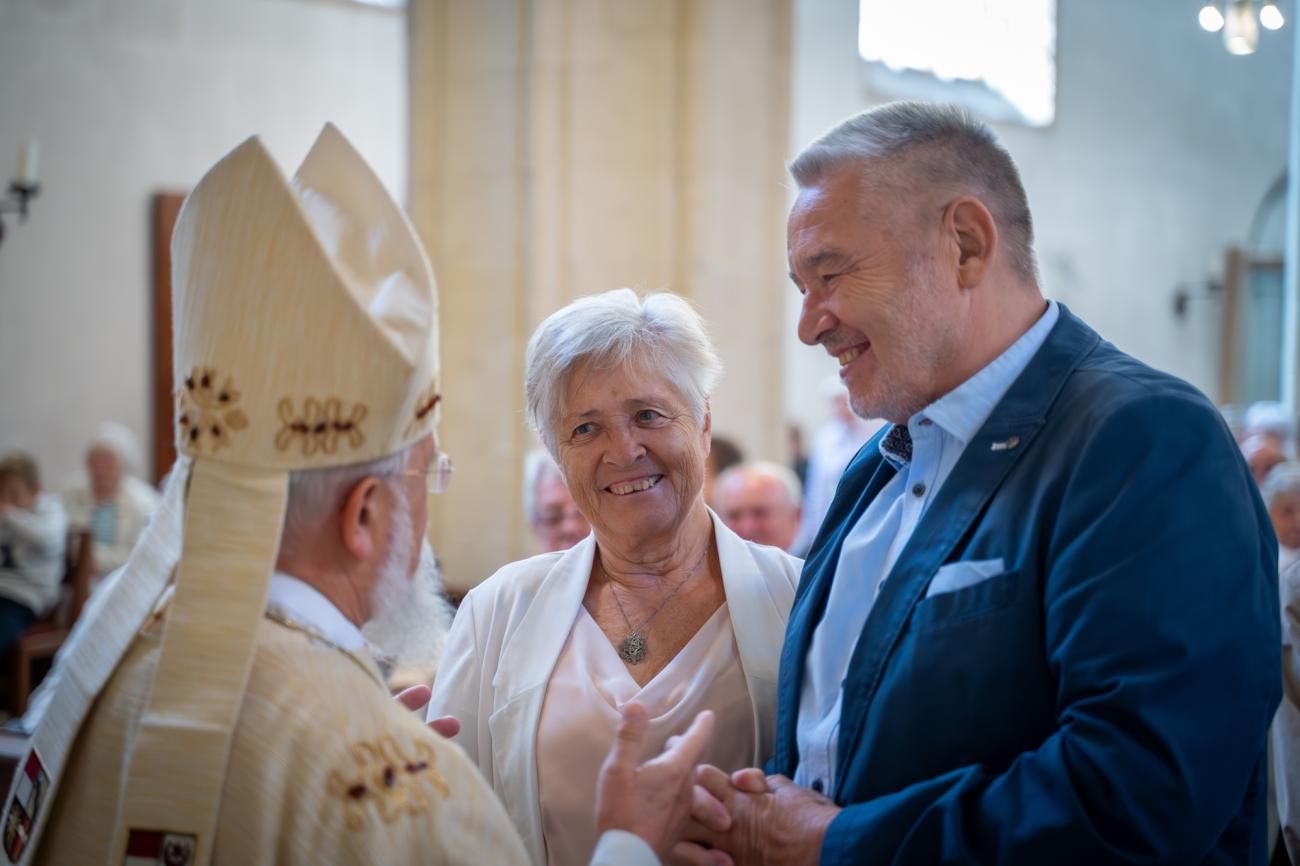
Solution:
(510, 630)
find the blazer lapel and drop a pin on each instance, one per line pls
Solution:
(866, 474)
(1007, 434)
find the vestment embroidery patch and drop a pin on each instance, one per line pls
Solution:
(159, 848)
(208, 414)
(388, 780)
(428, 401)
(320, 425)
(25, 805)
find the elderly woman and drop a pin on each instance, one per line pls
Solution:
(1281, 493)
(661, 604)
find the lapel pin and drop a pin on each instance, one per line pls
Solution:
(1005, 444)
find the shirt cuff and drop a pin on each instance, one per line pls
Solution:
(624, 849)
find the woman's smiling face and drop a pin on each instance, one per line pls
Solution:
(631, 450)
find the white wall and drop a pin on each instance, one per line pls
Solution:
(1163, 146)
(129, 97)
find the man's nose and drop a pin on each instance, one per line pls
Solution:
(814, 319)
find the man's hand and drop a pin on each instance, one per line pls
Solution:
(758, 821)
(651, 799)
(416, 697)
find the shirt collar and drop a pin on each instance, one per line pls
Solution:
(305, 605)
(962, 411)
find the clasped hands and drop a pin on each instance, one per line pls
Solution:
(738, 820)
(749, 818)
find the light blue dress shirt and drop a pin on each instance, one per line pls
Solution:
(940, 433)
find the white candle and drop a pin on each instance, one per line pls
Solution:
(29, 163)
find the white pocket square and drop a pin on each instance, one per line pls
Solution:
(960, 575)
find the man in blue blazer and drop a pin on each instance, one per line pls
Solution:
(1039, 624)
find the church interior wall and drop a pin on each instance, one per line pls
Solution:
(131, 97)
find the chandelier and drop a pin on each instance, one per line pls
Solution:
(1240, 22)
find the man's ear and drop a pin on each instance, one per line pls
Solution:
(358, 529)
(971, 227)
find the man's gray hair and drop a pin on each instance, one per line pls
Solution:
(939, 146)
(784, 475)
(1282, 480)
(660, 331)
(538, 464)
(316, 494)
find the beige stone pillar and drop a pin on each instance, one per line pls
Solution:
(564, 147)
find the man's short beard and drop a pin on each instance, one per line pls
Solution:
(410, 618)
(924, 337)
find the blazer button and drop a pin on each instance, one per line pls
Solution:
(918, 490)
(818, 786)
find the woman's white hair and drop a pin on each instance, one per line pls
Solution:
(661, 331)
(1282, 480)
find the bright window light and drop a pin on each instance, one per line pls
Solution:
(996, 56)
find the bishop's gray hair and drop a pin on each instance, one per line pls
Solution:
(316, 494)
(660, 331)
(932, 145)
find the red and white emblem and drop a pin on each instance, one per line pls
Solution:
(158, 848)
(25, 805)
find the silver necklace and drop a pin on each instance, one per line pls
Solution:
(634, 648)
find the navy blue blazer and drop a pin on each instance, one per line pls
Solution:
(1106, 699)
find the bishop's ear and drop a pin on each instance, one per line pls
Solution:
(359, 524)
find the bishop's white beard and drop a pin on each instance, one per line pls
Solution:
(411, 618)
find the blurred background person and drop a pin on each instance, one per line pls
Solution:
(833, 446)
(111, 501)
(798, 455)
(1281, 491)
(724, 453)
(661, 603)
(556, 522)
(759, 501)
(33, 545)
(1262, 455)
(1269, 421)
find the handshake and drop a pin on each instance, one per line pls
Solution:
(693, 814)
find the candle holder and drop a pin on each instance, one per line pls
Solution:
(20, 193)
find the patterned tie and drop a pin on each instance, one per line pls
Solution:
(897, 446)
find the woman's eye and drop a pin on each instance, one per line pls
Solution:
(582, 429)
(647, 415)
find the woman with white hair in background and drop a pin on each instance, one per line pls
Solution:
(111, 502)
(556, 522)
(1281, 492)
(661, 604)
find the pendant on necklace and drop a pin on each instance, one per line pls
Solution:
(632, 649)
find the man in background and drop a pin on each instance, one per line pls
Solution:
(759, 501)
